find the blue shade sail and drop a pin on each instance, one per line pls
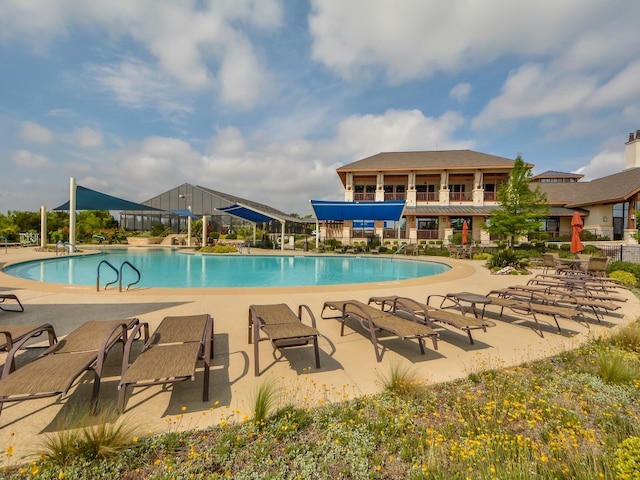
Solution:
(327, 210)
(87, 199)
(247, 214)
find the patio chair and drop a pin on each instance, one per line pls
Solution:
(454, 251)
(282, 328)
(374, 320)
(522, 305)
(57, 369)
(10, 296)
(16, 333)
(170, 354)
(597, 266)
(430, 315)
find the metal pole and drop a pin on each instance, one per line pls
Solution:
(72, 211)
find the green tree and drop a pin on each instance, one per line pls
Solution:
(522, 208)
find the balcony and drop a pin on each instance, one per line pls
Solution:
(427, 234)
(427, 196)
(395, 196)
(460, 196)
(490, 196)
(364, 197)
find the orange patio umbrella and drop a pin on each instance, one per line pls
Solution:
(576, 228)
(465, 230)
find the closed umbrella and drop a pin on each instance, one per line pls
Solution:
(465, 230)
(576, 228)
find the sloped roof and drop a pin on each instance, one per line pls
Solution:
(435, 160)
(435, 210)
(615, 188)
(555, 174)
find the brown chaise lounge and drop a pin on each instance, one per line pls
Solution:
(169, 355)
(428, 314)
(15, 333)
(524, 306)
(374, 320)
(283, 329)
(56, 370)
(10, 296)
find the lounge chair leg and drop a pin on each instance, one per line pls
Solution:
(421, 343)
(317, 350)
(122, 394)
(470, 337)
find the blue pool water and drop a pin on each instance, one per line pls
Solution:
(171, 269)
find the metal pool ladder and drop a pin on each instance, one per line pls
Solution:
(118, 274)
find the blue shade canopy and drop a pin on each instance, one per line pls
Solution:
(247, 214)
(87, 199)
(327, 210)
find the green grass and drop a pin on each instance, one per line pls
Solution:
(575, 415)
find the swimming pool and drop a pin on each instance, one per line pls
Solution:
(172, 269)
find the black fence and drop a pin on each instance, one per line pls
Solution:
(625, 253)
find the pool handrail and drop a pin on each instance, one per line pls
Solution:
(107, 263)
(127, 263)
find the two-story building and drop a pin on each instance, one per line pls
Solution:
(443, 189)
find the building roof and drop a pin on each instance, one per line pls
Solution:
(430, 160)
(471, 210)
(555, 174)
(615, 188)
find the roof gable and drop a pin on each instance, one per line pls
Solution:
(436, 160)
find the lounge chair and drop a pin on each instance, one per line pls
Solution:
(56, 370)
(597, 266)
(429, 314)
(10, 296)
(524, 306)
(170, 354)
(283, 329)
(15, 333)
(374, 320)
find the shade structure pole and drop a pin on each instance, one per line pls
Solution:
(317, 234)
(189, 227)
(204, 230)
(282, 236)
(72, 211)
(255, 229)
(43, 227)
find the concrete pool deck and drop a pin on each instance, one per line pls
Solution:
(348, 364)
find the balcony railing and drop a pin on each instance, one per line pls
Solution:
(393, 233)
(460, 196)
(490, 196)
(364, 197)
(427, 234)
(395, 196)
(427, 196)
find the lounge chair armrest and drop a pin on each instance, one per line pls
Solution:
(435, 296)
(126, 356)
(309, 312)
(10, 362)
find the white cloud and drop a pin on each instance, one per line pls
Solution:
(533, 91)
(87, 137)
(360, 136)
(29, 160)
(417, 38)
(460, 92)
(33, 132)
(191, 43)
(603, 164)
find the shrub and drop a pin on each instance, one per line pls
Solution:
(504, 258)
(264, 399)
(232, 236)
(219, 248)
(613, 367)
(401, 380)
(628, 459)
(627, 279)
(625, 267)
(159, 230)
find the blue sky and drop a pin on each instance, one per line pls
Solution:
(264, 99)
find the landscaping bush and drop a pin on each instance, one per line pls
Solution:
(628, 459)
(625, 267)
(505, 258)
(627, 279)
